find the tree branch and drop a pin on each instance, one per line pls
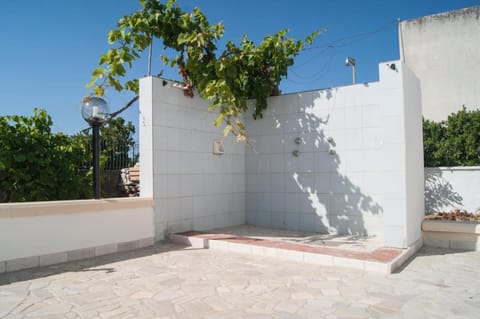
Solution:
(114, 114)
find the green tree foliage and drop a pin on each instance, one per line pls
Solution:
(116, 141)
(226, 78)
(453, 142)
(36, 164)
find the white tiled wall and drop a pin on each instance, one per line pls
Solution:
(192, 188)
(360, 151)
(317, 191)
(353, 189)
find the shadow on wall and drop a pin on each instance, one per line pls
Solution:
(439, 193)
(332, 202)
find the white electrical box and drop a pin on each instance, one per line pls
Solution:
(218, 148)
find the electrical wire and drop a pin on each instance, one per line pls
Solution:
(330, 47)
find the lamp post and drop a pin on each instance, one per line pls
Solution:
(95, 112)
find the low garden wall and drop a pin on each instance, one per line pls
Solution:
(44, 233)
(452, 234)
(448, 188)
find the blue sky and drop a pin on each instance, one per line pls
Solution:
(49, 47)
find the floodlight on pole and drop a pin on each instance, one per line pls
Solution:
(349, 61)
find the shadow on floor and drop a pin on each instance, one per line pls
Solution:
(91, 264)
(426, 251)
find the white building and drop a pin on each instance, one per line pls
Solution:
(443, 52)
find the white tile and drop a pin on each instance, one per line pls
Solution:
(353, 117)
(251, 163)
(292, 221)
(372, 138)
(160, 162)
(395, 212)
(337, 118)
(373, 183)
(82, 253)
(251, 201)
(349, 263)
(291, 202)
(291, 185)
(251, 183)
(374, 160)
(203, 223)
(395, 236)
(278, 183)
(258, 250)
(355, 182)
(218, 245)
(322, 162)
(317, 259)
(321, 204)
(264, 163)
(278, 202)
(395, 186)
(264, 202)
(353, 139)
(277, 220)
(277, 163)
(173, 209)
(290, 255)
(22, 263)
(52, 259)
(337, 183)
(322, 183)
(239, 248)
(186, 208)
(264, 183)
(106, 249)
(306, 182)
(200, 208)
(305, 163)
(371, 116)
(173, 184)
(394, 131)
(383, 268)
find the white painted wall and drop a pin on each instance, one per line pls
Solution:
(192, 188)
(34, 229)
(448, 188)
(442, 51)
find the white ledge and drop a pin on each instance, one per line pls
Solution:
(10, 210)
(453, 168)
(446, 226)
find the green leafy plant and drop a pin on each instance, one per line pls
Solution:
(453, 142)
(226, 78)
(36, 164)
(116, 139)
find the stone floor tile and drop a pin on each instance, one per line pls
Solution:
(168, 281)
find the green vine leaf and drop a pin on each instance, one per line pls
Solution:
(226, 78)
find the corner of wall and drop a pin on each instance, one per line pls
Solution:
(146, 136)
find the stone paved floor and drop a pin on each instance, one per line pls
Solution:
(169, 281)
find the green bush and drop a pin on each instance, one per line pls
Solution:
(36, 164)
(453, 142)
